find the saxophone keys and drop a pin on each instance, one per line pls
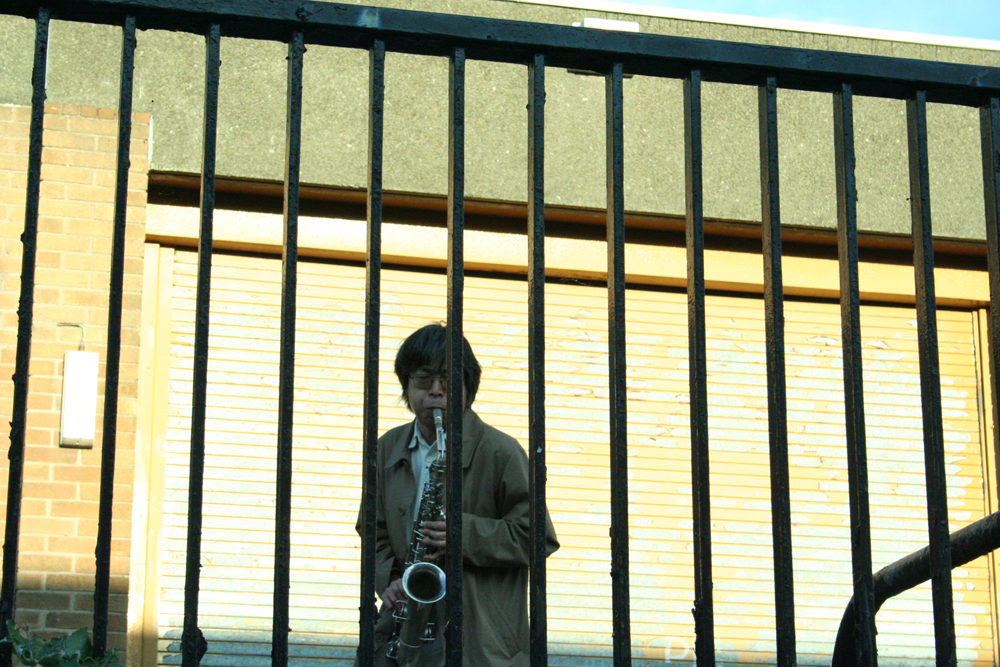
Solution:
(399, 611)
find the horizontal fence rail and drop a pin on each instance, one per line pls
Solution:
(538, 47)
(517, 42)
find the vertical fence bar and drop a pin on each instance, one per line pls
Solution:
(989, 128)
(854, 405)
(373, 278)
(456, 282)
(193, 645)
(25, 314)
(286, 368)
(930, 381)
(536, 357)
(704, 615)
(102, 578)
(774, 326)
(615, 120)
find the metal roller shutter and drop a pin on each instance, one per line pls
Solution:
(241, 432)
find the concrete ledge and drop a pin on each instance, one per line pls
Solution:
(565, 258)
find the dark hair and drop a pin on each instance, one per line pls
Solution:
(425, 348)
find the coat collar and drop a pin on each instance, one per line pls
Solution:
(472, 432)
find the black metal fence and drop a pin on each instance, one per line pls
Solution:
(538, 47)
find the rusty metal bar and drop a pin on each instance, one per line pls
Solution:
(704, 615)
(456, 284)
(777, 410)
(102, 578)
(965, 545)
(989, 128)
(193, 645)
(615, 149)
(854, 406)
(286, 364)
(373, 318)
(25, 315)
(930, 381)
(429, 33)
(536, 358)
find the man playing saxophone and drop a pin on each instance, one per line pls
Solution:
(495, 518)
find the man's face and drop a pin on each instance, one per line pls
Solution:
(427, 390)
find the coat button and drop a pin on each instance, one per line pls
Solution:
(379, 638)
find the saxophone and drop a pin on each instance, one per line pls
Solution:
(423, 582)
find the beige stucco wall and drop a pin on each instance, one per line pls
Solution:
(83, 66)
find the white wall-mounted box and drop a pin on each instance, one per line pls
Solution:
(607, 24)
(79, 400)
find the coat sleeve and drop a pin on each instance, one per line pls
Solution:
(387, 566)
(504, 541)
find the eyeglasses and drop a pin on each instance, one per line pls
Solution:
(426, 380)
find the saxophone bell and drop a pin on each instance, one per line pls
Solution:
(424, 582)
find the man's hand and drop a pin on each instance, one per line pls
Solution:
(394, 593)
(435, 539)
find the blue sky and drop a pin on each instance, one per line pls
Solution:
(954, 18)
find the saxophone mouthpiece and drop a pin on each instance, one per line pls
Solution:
(438, 418)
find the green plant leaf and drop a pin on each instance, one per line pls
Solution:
(74, 650)
(50, 659)
(77, 644)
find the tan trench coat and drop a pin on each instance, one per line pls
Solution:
(495, 539)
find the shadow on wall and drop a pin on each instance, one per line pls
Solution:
(56, 613)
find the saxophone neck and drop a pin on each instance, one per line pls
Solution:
(439, 427)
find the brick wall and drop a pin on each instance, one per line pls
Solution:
(61, 485)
